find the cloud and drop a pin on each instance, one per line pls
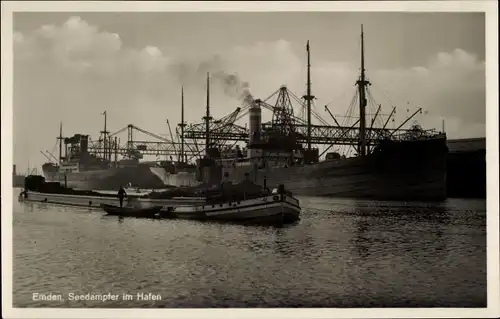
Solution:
(74, 71)
(80, 47)
(452, 86)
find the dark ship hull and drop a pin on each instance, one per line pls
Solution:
(105, 179)
(406, 170)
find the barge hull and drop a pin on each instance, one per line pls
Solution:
(95, 202)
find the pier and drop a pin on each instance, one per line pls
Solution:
(466, 168)
(467, 145)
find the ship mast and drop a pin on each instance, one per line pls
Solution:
(362, 83)
(207, 117)
(308, 97)
(105, 132)
(182, 124)
(60, 138)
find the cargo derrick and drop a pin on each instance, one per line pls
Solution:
(136, 149)
(281, 131)
(107, 148)
(215, 133)
(220, 132)
(287, 132)
(290, 128)
(285, 123)
(278, 135)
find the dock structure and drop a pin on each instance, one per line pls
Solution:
(466, 168)
(463, 145)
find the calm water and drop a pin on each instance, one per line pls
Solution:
(343, 253)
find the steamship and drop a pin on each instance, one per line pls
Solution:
(80, 169)
(388, 164)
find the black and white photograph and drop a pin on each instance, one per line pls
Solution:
(323, 157)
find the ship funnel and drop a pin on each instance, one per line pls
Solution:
(255, 123)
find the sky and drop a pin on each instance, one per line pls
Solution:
(71, 67)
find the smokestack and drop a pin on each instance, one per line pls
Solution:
(14, 169)
(255, 121)
(254, 125)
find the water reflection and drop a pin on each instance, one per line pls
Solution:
(29, 207)
(362, 246)
(280, 244)
(380, 228)
(342, 253)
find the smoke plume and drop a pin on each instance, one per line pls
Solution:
(233, 86)
(194, 73)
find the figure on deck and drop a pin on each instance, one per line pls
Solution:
(121, 194)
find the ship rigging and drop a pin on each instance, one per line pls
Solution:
(390, 163)
(291, 131)
(213, 137)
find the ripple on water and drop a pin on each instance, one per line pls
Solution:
(342, 253)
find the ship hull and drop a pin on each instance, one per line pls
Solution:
(274, 209)
(408, 171)
(109, 179)
(180, 179)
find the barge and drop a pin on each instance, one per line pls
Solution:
(95, 201)
(242, 203)
(37, 190)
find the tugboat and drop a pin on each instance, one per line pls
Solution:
(246, 203)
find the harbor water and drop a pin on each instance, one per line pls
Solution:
(343, 253)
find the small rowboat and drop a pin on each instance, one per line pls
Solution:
(150, 212)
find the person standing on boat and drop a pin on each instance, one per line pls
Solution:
(121, 194)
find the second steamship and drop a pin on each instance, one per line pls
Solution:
(390, 164)
(81, 169)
